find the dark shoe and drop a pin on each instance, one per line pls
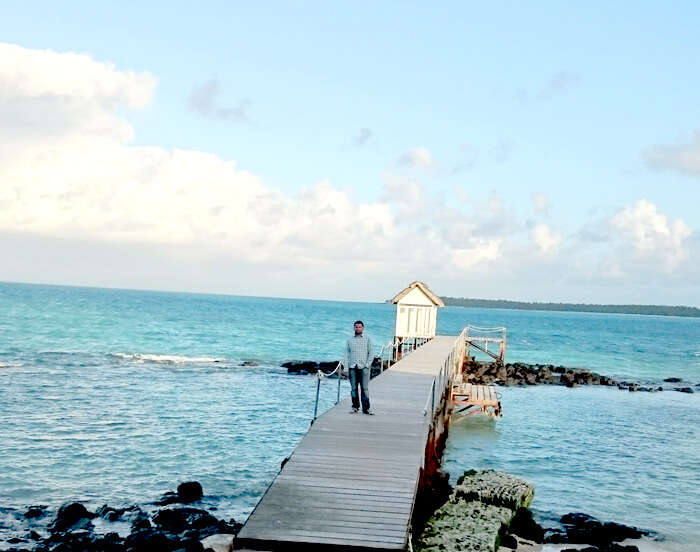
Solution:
(354, 410)
(368, 412)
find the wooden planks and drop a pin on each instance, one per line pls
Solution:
(477, 395)
(351, 482)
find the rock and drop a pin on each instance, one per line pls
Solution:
(327, 367)
(139, 521)
(35, 512)
(221, 542)
(460, 525)
(673, 380)
(189, 491)
(477, 514)
(301, 367)
(496, 488)
(72, 515)
(177, 520)
(150, 540)
(582, 528)
(249, 363)
(684, 389)
(109, 513)
(526, 527)
(167, 499)
(508, 541)
(568, 380)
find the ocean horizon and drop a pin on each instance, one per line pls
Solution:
(115, 396)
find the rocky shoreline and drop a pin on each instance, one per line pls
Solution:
(488, 510)
(520, 374)
(166, 528)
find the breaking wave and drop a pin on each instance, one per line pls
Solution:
(167, 359)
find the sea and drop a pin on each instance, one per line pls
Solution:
(115, 396)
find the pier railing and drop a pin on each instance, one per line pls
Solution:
(386, 355)
(443, 381)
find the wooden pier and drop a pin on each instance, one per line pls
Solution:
(351, 483)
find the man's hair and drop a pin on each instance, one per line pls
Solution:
(359, 322)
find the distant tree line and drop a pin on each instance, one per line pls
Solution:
(663, 310)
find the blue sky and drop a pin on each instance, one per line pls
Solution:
(472, 107)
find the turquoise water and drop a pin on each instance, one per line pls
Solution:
(116, 396)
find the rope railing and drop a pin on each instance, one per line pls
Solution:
(320, 374)
(387, 355)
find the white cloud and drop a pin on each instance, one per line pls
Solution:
(417, 157)
(477, 252)
(540, 203)
(545, 239)
(683, 157)
(69, 175)
(653, 235)
(407, 195)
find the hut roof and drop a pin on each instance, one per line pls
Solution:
(424, 288)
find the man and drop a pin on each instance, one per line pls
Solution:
(359, 354)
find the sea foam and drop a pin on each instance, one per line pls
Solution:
(167, 359)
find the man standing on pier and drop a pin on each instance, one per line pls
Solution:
(359, 354)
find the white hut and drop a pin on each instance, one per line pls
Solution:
(416, 314)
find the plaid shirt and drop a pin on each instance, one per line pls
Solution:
(359, 351)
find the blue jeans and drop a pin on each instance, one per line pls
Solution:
(359, 376)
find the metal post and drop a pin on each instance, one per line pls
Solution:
(432, 412)
(340, 371)
(318, 389)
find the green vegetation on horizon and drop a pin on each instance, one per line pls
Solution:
(662, 310)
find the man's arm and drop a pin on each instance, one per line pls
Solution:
(346, 358)
(370, 352)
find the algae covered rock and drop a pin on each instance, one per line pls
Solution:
(464, 527)
(477, 513)
(496, 488)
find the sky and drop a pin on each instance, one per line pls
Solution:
(341, 150)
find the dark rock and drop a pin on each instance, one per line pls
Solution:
(582, 528)
(190, 546)
(150, 540)
(82, 541)
(109, 513)
(673, 380)
(33, 535)
(139, 521)
(301, 367)
(327, 367)
(35, 512)
(249, 363)
(684, 389)
(508, 541)
(72, 515)
(568, 380)
(526, 527)
(189, 491)
(167, 499)
(177, 520)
